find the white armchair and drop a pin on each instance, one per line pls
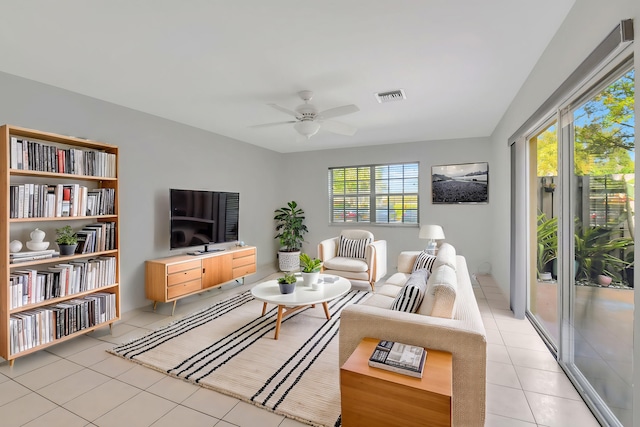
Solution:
(357, 258)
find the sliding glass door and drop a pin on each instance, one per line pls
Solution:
(542, 301)
(581, 234)
(601, 305)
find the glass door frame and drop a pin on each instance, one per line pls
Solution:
(562, 113)
(566, 227)
(531, 174)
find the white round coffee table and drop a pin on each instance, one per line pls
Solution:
(269, 293)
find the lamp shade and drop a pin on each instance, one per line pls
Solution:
(431, 232)
(307, 128)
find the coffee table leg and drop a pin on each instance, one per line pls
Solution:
(278, 321)
(264, 308)
(326, 310)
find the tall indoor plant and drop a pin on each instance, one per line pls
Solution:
(290, 227)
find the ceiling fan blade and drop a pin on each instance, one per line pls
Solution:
(339, 111)
(273, 124)
(284, 110)
(339, 128)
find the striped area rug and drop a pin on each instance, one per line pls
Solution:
(229, 347)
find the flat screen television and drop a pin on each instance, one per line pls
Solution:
(201, 217)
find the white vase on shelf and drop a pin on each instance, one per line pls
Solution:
(37, 235)
(15, 246)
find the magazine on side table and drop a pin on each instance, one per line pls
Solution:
(397, 357)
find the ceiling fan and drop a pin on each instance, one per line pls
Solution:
(308, 120)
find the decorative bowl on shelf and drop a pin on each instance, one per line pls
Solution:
(37, 246)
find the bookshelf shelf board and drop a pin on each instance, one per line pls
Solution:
(62, 218)
(56, 175)
(62, 259)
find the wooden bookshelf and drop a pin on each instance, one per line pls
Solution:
(94, 166)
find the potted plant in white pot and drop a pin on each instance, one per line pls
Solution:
(290, 230)
(67, 240)
(310, 269)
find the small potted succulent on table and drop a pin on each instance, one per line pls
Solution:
(287, 283)
(67, 240)
(310, 269)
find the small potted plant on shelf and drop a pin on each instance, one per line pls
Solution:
(310, 269)
(67, 240)
(287, 283)
(290, 230)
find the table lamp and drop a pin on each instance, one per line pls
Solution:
(431, 233)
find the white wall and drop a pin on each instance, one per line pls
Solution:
(155, 155)
(465, 226)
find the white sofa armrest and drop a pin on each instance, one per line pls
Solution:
(464, 342)
(328, 248)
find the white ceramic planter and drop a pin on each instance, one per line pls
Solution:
(310, 278)
(289, 261)
(604, 280)
(545, 276)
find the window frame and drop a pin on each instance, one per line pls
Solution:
(371, 194)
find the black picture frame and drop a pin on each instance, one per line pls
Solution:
(462, 183)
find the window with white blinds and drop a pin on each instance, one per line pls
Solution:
(375, 194)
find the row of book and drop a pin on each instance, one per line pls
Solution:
(43, 325)
(97, 237)
(37, 156)
(31, 286)
(58, 200)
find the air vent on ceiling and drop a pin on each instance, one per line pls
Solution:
(392, 95)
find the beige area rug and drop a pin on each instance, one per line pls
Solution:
(229, 347)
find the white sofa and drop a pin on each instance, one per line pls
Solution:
(448, 319)
(370, 268)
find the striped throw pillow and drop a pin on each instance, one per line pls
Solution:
(424, 260)
(352, 248)
(410, 296)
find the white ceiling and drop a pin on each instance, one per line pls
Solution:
(216, 64)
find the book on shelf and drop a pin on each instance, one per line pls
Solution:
(398, 357)
(28, 258)
(31, 253)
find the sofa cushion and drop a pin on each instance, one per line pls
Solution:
(397, 279)
(352, 248)
(381, 301)
(440, 297)
(424, 260)
(346, 264)
(446, 256)
(410, 296)
(389, 290)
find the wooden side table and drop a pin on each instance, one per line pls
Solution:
(377, 397)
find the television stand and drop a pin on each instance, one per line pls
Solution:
(169, 279)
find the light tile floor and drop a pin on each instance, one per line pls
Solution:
(77, 383)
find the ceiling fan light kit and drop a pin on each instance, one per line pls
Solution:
(309, 121)
(307, 128)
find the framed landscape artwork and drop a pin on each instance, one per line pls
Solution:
(461, 183)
